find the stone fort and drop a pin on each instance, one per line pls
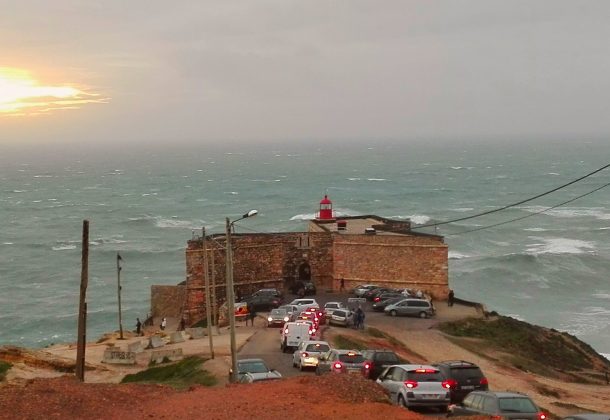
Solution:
(357, 249)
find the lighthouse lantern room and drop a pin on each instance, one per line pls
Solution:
(326, 209)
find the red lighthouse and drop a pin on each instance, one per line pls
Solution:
(326, 209)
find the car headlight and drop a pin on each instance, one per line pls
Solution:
(269, 319)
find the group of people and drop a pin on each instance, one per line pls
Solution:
(358, 318)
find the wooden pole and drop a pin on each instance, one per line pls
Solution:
(118, 275)
(214, 296)
(82, 306)
(208, 305)
(231, 302)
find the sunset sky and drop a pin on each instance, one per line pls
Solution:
(158, 71)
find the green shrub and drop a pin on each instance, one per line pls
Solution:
(179, 375)
(345, 343)
(4, 367)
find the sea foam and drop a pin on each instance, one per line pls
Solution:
(560, 246)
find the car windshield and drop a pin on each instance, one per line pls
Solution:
(387, 357)
(424, 376)
(462, 374)
(278, 312)
(517, 405)
(351, 358)
(252, 367)
(317, 347)
(339, 313)
(331, 305)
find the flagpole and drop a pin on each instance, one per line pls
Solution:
(118, 274)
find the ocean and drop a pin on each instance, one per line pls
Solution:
(551, 269)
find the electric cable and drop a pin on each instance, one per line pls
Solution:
(529, 215)
(513, 204)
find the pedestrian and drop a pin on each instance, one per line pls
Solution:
(138, 326)
(163, 323)
(249, 309)
(450, 298)
(361, 319)
(342, 285)
(182, 324)
(252, 315)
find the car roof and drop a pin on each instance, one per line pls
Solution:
(338, 303)
(413, 367)
(251, 361)
(455, 363)
(343, 351)
(316, 342)
(502, 394)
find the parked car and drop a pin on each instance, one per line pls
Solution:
(415, 307)
(310, 288)
(359, 290)
(304, 288)
(254, 370)
(268, 291)
(381, 305)
(386, 296)
(308, 352)
(304, 303)
(463, 377)
(341, 361)
(415, 386)
(506, 405)
(375, 293)
(277, 317)
(263, 301)
(294, 333)
(329, 307)
(341, 317)
(379, 360)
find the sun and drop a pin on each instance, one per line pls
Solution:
(23, 95)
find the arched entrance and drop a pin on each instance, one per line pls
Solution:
(301, 276)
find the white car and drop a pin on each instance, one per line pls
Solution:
(304, 303)
(329, 307)
(294, 333)
(416, 386)
(308, 352)
(360, 290)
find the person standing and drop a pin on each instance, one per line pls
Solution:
(450, 298)
(163, 323)
(138, 327)
(361, 320)
(342, 285)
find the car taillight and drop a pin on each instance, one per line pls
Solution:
(337, 365)
(377, 299)
(541, 416)
(411, 384)
(451, 382)
(310, 332)
(320, 314)
(304, 354)
(484, 381)
(367, 365)
(495, 418)
(446, 384)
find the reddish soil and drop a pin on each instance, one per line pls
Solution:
(331, 396)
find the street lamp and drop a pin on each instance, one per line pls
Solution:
(231, 291)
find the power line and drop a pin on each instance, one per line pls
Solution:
(529, 215)
(513, 204)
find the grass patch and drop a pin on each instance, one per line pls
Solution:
(546, 391)
(4, 367)
(179, 375)
(345, 343)
(374, 332)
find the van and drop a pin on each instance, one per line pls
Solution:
(414, 307)
(294, 333)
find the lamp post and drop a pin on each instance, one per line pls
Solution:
(231, 292)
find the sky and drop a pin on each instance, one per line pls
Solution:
(216, 71)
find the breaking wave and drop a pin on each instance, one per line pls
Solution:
(560, 246)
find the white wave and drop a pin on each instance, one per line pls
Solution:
(463, 209)
(308, 216)
(516, 316)
(265, 180)
(37, 201)
(535, 229)
(606, 355)
(43, 176)
(8, 243)
(596, 212)
(354, 179)
(232, 192)
(454, 255)
(605, 228)
(63, 247)
(553, 173)
(601, 295)
(561, 246)
(457, 167)
(419, 219)
(376, 179)
(19, 191)
(174, 223)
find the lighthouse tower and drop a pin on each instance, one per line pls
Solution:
(326, 209)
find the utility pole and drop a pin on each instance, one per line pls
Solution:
(118, 277)
(82, 306)
(206, 276)
(214, 296)
(231, 301)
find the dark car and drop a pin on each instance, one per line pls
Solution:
(380, 306)
(310, 288)
(387, 295)
(301, 288)
(506, 405)
(378, 360)
(377, 293)
(371, 293)
(263, 301)
(463, 377)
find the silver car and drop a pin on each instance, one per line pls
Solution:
(506, 405)
(413, 307)
(416, 386)
(308, 352)
(329, 307)
(277, 317)
(342, 317)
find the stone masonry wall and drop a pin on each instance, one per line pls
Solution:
(167, 301)
(393, 261)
